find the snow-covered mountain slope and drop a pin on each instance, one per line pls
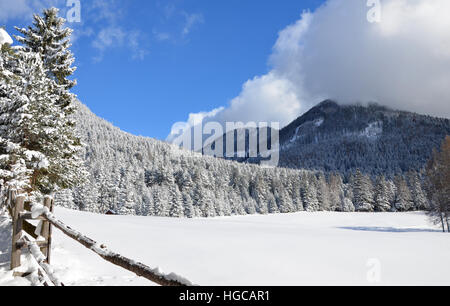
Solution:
(286, 249)
(343, 138)
(138, 175)
(143, 176)
(374, 139)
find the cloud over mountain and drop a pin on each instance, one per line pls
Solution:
(403, 62)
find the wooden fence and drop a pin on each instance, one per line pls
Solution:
(38, 241)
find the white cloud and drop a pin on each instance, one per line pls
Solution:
(104, 10)
(24, 9)
(134, 42)
(5, 38)
(259, 95)
(113, 37)
(108, 37)
(161, 36)
(402, 62)
(191, 21)
(108, 16)
(175, 23)
(194, 119)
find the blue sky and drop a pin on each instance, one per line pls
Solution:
(158, 61)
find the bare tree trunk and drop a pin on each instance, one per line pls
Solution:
(442, 222)
(448, 228)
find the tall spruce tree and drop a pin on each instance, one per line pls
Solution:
(28, 123)
(382, 203)
(176, 210)
(403, 198)
(323, 193)
(50, 40)
(13, 171)
(310, 194)
(189, 211)
(362, 192)
(418, 195)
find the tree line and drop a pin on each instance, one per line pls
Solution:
(142, 176)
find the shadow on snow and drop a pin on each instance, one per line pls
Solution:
(390, 229)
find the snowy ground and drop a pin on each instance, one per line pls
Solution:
(294, 249)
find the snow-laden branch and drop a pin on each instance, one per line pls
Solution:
(40, 259)
(138, 268)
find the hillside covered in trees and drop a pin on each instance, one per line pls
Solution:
(345, 138)
(375, 139)
(143, 176)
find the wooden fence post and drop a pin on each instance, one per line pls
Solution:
(46, 229)
(17, 231)
(50, 233)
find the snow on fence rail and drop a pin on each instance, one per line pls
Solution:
(40, 249)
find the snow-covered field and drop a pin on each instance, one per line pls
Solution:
(293, 249)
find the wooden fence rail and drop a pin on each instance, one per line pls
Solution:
(21, 212)
(20, 217)
(40, 258)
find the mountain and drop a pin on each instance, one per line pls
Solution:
(344, 138)
(374, 139)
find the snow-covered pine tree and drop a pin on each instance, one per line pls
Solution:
(296, 193)
(206, 204)
(189, 211)
(161, 201)
(391, 193)
(236, 203)
(362, 192)
(258, 190)
(419, 198)
(250, 206)
(85, 197)
(403, 198)
(147, 203)
(51, 40)
(336, 192)
(382, 203)
(347, 200)
(13, 171)
(272, 205)
(29, 120)
(323, 193)
(176, 201)
(310, 194)
(64, 198)
(282, 199)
